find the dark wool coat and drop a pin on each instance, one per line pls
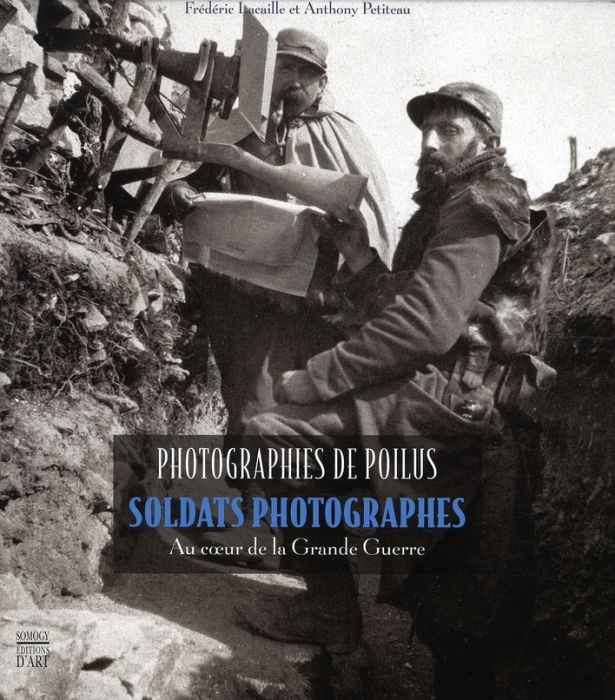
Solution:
(462, 278)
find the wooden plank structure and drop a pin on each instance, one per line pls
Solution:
(12, 113)
(7, 12)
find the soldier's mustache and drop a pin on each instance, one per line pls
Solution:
(434, 162)
(292, 94)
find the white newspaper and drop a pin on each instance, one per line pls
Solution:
(263, 241)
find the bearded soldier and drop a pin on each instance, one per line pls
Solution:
(444, 347)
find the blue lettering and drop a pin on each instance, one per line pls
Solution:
(351, 516)
(260, 508)
(407, 508)
(370, 511)
(134, 509)
(187, 512)
(152, 511)
(457, 507)
(237, 512)
(298, 512)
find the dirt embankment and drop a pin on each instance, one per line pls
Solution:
(92, 334)
(576, 509)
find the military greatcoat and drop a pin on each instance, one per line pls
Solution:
(457, 303)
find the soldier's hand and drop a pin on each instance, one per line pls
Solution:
(295, 387)
(182, 197)
(351, 239)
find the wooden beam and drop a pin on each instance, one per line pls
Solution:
(12, 113)
(123, 117)
(115, 23)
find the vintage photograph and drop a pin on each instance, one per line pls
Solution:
(307, 340)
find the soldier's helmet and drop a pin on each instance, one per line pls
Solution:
(484, 103)
(305, 45)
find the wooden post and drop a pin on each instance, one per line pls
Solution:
(51, 137)
(117, 19)
(572, 140)
(147, 205)
(144, 79)
(123, 117)
(24, 87)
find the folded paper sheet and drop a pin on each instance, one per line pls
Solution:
(263, 241)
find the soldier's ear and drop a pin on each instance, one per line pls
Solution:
(323, 82)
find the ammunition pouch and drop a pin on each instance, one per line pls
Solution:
(521, 385)
(525, 384)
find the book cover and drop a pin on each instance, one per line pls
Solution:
(122, 369)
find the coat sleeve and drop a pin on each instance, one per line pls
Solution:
(355, 287)
(427, 318)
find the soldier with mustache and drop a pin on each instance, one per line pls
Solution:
(256, 334)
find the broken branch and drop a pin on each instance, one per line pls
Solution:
(123, 117)
(162, 180)
(24, 87)
(146, 73)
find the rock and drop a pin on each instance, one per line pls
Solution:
(99, 355)
(145, 21)
(13, 595)
(123, 403)
(5, 380)
(105, 655)
(156, 300)
(143, 654)
(93, 686)
(11, 481)
(25, 16)
(38, 87)
(607, 241)
(16, 49)
(163, 274)
(49, 531)
(133, 344)
(70, 85)
(34, 114)
(256, 688)
(125, 329)
(57, 542)
(170, 359)
(566, 214)
(63, 424)
(70, 144)
(139, 302)
(32, 6)
(48, 303)
(92, 319)
(66, 651)
(91, 655)
(173, 373)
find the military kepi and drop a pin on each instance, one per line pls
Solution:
(482, 102)
(304, 45)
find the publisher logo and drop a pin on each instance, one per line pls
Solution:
(32, 648)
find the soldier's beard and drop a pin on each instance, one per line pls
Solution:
(432, 169)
